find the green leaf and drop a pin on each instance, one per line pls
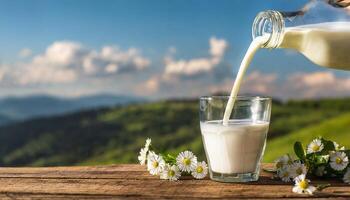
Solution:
(171, 157)
(299, 150)
(321, 159)
(327, 146)
(168, 158)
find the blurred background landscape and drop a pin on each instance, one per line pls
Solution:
(86, 82)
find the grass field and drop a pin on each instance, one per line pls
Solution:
(336, 128)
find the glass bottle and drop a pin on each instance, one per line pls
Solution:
(320, 31)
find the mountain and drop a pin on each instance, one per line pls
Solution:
(75, 138)
(5, 120)
(21, 108)
(116, 134)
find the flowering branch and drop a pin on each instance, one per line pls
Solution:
(322, 158)
(169, 167)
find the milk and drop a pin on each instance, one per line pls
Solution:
(325, 44)
(236, 147)
(254, 46)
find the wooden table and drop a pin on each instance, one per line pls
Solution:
(134, 182)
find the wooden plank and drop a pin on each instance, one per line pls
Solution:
(133, 181)
(28, 196)
(110, 171)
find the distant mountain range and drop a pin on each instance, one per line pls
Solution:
(14, 109)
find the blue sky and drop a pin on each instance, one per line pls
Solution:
(143, 35)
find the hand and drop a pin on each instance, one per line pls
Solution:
(341, 3)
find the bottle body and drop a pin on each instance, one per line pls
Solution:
(325, 42)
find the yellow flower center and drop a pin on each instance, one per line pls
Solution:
(303, 184)
(199, 169)
(171, 173)
(338, 160)
(187, 161)
(299, 171)
(155, 164)
(315, 147)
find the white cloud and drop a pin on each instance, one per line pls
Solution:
(66, 61)
(312, 79)
(261, 83)
(217, 50)
(196, 66)
(191, 67)
(317, 84)
(31, 73)
(61, 54)
(113, 60)
(3, 71)
(24, 53)
(150, 86)
(255, 82)
(111, 68)
(297, 85)
(174, 86)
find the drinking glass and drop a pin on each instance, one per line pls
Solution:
(234, 150)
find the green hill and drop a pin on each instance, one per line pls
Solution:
(115, 135)
(336, 128)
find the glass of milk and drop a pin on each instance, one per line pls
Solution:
(234, 150)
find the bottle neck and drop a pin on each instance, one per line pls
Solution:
(269, 23)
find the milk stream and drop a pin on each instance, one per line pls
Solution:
(254, 46)
(236, 147)
(325, 44)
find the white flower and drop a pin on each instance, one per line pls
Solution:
(283, 166)
(285, 173)
(143, 152)
(171, 173)
(338, 147)
(339, 160)
(200, 171)
(315, 146)
(155, 163)
(148, 143)
(162, 174)
(302, 185)
(320, 171)
(297, 169)
(186, 161)
(142, 156)
(282, 161)
(346, 177)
